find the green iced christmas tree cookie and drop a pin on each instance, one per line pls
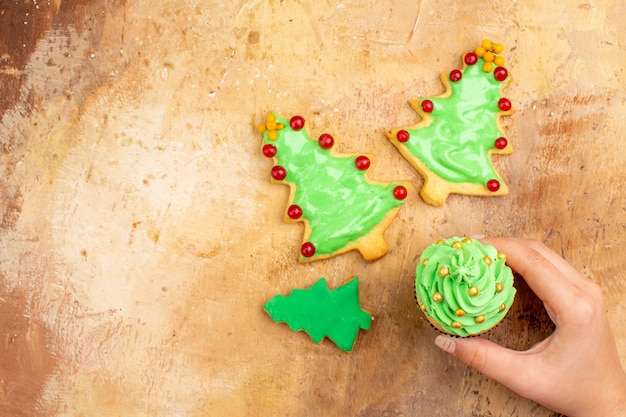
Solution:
(322, 312)
(451, 146)
(342, 210)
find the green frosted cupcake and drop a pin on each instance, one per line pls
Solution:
(463, 286)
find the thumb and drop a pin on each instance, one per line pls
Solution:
(504, 365)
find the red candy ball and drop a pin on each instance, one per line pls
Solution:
(504, 104)
(269, 150)
(400, 192)
(307, 249)
(455, 75)
(362, 163)
(279, 173)
(326, 141)
(402, 136)
(296, 122)
(493, 185)
(294, 211)
(501, 143)
(427, 106)
(471, 58)
(500, 74)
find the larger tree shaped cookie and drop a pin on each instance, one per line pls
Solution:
(451, 146)
(341, 209)
(322, 312)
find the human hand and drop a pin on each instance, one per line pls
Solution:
(576, 370)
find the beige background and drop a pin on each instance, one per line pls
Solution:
(140, 234)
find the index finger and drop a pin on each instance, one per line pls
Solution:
(542, 276)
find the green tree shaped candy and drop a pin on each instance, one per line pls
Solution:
(342, 210)
(322, 312)
(451, 146)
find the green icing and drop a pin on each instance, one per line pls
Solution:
(338, 202)
(322, 312)
(467, 268)
(456, 144)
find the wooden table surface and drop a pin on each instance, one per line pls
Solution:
(141, 236)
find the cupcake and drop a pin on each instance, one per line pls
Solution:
(463, 286)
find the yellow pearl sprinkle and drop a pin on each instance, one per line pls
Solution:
(499, 61)
(261, 128)
(444, 271)
(459, 312)
(457, 245)
(498, 48)
(480, 51)
(502, 307)
(502, 256)
(488, 66)
(487, 260)
(272, 135)
(486, 43)
(456, 325)
(479, 319)
(468, 240)
(423, 308)
(425, 261)
(279, 126)
(489, 56)
(437, 297)
(271, 117)
(441, 242)
(473, 291)
(499, 287)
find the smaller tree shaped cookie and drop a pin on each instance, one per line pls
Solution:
(322, 312)
(342, 210)
(451, 146)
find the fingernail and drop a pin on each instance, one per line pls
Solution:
(445, 343)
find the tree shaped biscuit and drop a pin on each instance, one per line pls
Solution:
(342, 210)
(451, 146)
(322, 312)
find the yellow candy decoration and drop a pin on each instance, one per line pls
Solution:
(488, 51)
(270, 125)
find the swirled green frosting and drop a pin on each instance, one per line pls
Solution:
(463, 286)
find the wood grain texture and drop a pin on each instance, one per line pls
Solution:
(141, 236)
